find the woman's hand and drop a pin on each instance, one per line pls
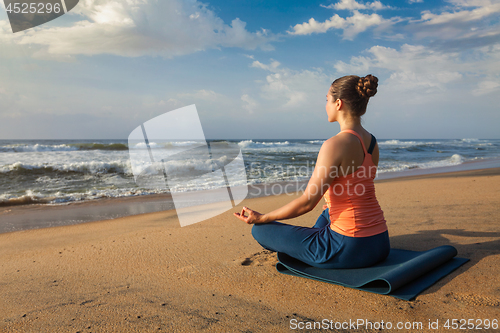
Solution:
(325, 207)
(252, 218)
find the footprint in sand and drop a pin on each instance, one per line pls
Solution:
(263, 258)
(471, 299)
(187, 269)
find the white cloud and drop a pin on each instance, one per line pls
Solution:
(476, 14)
(354, 5)
(461, 24)
(418, 75)
(6, 35)
(171, 103)
(202, 95)
(272, 67)
(414, 68)
(142, 27)
(351, 26)
(470, 3)
(249, 103)
(415, 1)
(291, 89)
(313, 26)
(486, 87)
(464, 24)
(358, 64)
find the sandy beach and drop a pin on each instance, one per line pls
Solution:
(145, 273)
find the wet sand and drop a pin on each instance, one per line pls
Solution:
(145, 273)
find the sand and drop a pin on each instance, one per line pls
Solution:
(145, 273)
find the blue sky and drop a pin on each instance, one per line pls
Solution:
(254, 69)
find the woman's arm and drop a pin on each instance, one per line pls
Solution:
(327, 164)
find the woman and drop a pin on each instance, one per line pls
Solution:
(351, 232)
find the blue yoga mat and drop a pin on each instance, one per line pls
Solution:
(404, 274)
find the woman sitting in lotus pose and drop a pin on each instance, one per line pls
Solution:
(351, 232)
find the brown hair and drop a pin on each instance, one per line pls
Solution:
(355, 92)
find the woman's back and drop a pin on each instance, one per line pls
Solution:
(353, 207)
(353, 155)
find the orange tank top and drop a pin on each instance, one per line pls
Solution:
(353, 206)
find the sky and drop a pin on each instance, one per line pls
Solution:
(254, 69)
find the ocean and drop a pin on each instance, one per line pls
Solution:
(56, 172)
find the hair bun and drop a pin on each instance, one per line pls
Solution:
(367, 86)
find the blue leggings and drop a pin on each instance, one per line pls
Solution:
(320, 246)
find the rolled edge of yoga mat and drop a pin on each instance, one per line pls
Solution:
(418, 266)
(412, 289)
(378, 286)
(294, 267)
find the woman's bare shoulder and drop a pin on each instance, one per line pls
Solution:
(350, 141)
(337, 141)
(334, 145)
